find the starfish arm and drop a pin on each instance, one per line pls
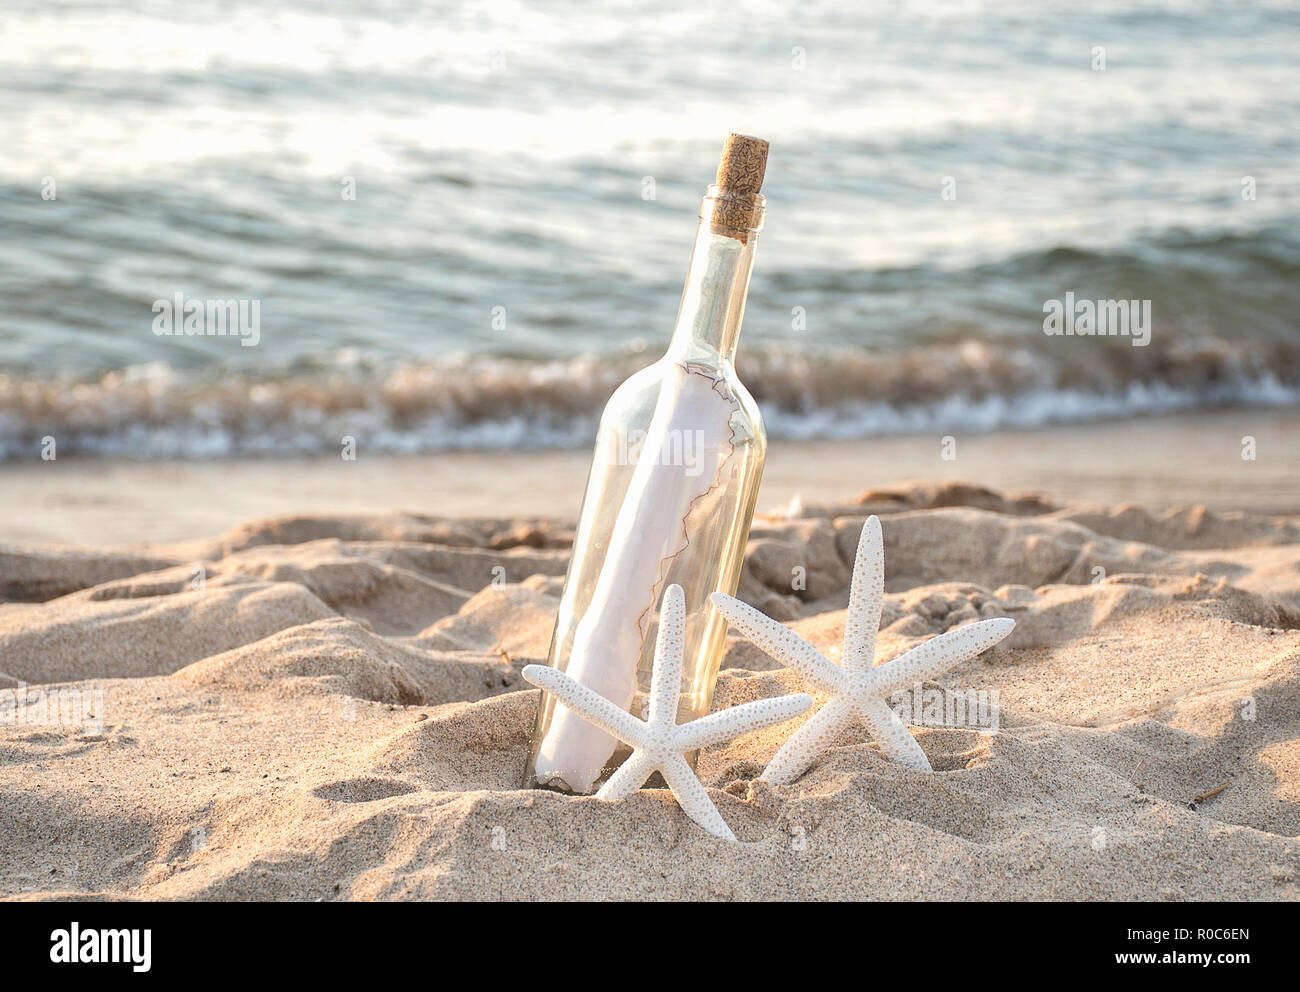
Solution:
(932, 658)
(781, 643)
(694, 798)
(820, 732)
(590, 706)
(736, 720)
(866, 598)
(631, 775)
(892, 735)
(670, 644)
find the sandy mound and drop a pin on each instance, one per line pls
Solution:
(335, 712)
(340, 657)
(33, 577)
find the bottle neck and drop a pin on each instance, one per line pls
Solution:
(713, 302)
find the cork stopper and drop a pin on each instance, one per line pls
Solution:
(740, 177)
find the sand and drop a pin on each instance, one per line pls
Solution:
(329, 707)
(1190, 458)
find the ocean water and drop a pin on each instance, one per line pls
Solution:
(526, 185)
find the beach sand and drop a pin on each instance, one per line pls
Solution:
(1158, 462)
(328, 706)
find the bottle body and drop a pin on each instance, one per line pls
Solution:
(674, 480)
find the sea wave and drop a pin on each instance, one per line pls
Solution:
(154, 411)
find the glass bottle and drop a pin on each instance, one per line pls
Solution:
(671, 493)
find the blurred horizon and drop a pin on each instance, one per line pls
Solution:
(938, 172)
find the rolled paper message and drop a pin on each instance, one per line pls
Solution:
(650, 530)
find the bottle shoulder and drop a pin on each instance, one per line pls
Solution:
(749, 406)
(634, 398)
(633, 403)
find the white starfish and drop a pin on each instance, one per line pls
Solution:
(858, 690)
(659, 743)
